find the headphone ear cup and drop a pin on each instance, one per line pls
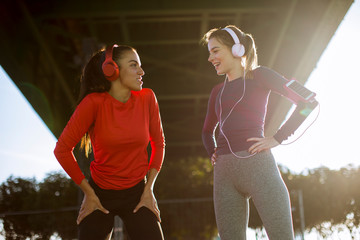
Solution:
(238, 50)
(110, 70)
(109, 67)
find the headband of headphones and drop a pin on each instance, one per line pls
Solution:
(238, 50)
(109, 67)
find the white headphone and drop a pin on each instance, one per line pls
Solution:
(238, 50)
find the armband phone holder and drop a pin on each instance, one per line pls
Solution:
(299, 92)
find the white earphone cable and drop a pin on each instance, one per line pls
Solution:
(221, 123)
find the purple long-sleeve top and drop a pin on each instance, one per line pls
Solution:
(248, 117)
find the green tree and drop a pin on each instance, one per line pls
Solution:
(57, 192)
(36, 210)
(353, 221)
(17, 194)
(330, 198)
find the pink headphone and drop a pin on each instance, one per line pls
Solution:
(238, 50)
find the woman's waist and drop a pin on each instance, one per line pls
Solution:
(236, 140)
(118, 180)
(239, 134)
(110, 193)
(119, 172)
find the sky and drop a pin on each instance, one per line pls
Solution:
(26, 144)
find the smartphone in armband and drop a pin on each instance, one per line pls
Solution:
(298, 91)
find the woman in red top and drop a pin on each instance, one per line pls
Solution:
(120, 118)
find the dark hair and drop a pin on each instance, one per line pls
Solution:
(246, 39)
(93, 80)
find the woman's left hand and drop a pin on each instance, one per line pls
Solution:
(148, 200)
(262, 144)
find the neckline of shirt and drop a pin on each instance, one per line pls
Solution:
(234, 81)
(117, 102)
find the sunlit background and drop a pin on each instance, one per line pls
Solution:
(332, 140)
(26, 144)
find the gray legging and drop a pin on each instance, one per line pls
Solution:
(258, 177)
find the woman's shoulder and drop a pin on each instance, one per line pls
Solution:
(145, 92)
(262, 70)
(217, 88)
(266, 73)
(94, 98)
(91, 102)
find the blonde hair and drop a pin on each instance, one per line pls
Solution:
(250, 59)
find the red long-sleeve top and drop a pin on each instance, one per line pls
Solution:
(119, 133)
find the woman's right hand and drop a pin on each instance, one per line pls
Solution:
(88, 205)
(90, 202)
(213, 158)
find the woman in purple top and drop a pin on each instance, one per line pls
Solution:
(244, 167)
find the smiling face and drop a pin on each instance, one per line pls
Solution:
(130, 71)
(221, 58)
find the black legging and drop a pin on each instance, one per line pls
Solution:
(140, 225)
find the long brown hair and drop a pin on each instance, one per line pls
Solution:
(251, 59)
(93, 80)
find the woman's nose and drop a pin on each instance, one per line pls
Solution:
(210, 58)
